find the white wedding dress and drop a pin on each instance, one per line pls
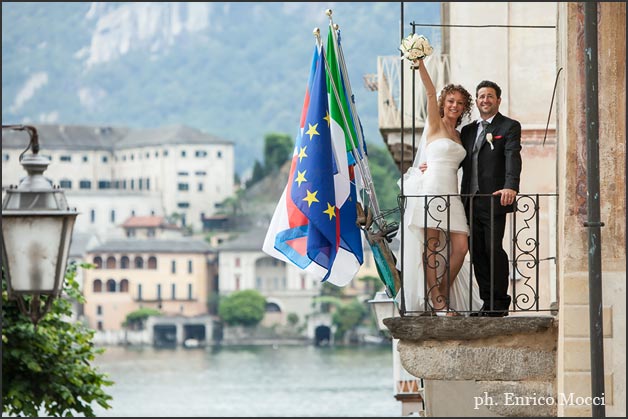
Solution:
(443, 157)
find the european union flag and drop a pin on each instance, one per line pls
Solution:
(313, 188)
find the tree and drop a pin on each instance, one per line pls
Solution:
(348, 316)
(135, 320)
(372, 284)
(48, 369)
(278, 148)
(385, 175)
(258, 174)
(245, 308)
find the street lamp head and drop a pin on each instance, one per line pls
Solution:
(383, 307)
(37, 229)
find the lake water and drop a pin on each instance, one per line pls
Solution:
(304, 381)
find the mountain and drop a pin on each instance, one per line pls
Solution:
(235, 70)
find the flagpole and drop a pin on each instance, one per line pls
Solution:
(364, 170)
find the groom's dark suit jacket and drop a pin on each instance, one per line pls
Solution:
(498, 168)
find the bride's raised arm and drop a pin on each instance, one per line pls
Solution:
(433, 113)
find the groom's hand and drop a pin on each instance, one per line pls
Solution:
(508, 196)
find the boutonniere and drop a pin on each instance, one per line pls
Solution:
(489, 138)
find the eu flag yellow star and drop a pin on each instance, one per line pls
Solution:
(311, 197)
(302, 153)
(312, 130)
(327, 118)
(300, 177)
(331, 211)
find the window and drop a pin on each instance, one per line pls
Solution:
(140, 182)
(130, 232)
(302, 282)
(201, 173)
(183, 187)
(139, 292)
(92, 216)
(237, 282)
(124, 262)
(104, 159)
(182, 173)
(104, 184)
(159, 291)
(183, 153)
(97, 285)
(85, 159)
(65, 158)
(111, 262)
(65, 184)
(258, 283)
(113, 216)
(5, 157)
(165, 153)
(183, 205)
(200, 187)
(219, 154)
(147, 184)
(200, 153)
(150, 232)
(237, 262)
(152, 262)
(189, 291)
(124, 285)
(98, 262)
(189, 266)
(99, 326)
(173, 267)
(139, 262)
(99, 309)
(132, 184)
(85, 184)
(173, 290)
(111, 285)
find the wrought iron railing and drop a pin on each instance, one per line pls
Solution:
(529, 241)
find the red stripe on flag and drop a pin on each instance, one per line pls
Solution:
(306, 105)
(299, 245)
(295, 216)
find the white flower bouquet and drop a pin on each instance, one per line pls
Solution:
(415, 47)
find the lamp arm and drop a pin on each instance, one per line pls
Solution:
(32, 132)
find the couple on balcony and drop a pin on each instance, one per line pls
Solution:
(436, 277)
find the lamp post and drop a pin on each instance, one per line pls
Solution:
(37, 229)
(407, 388)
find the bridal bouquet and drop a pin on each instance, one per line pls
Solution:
(415, 47)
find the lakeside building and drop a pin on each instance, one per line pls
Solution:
(112, 173)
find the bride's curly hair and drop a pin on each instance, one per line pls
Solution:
(451, 88)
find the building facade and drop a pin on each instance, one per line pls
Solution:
(176, 277)
(111, 173)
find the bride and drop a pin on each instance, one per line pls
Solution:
(435, 226)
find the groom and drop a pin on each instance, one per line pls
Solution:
(492, 166)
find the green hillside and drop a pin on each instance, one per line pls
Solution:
(242, 76)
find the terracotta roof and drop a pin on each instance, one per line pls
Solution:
(147, 221)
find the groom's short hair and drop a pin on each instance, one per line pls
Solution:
(487, 83)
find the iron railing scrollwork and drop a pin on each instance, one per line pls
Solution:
(529, 256)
